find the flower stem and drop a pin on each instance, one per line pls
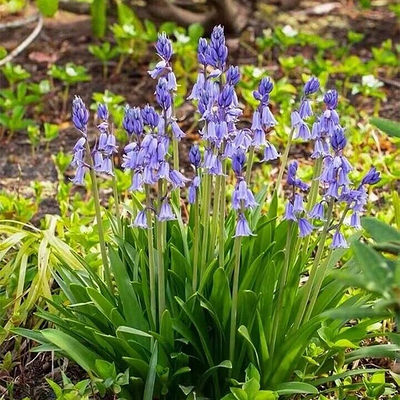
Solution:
(312, 199)
(221, 220)
(282, 282)
(249, 164)
(235, 289)
(116, 201)
(196, 234)
(100, 229)
(152, 278)
(215, 213)
(284, 162)
(314, 269)
(206, 219)
(160, 260)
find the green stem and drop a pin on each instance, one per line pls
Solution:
(221, 222)
(284, 162)
(100, 229)
(249, 165)
(235, 290)
(314, 269)
(206, 220)
(160, 260)
(282, 282)
(116, 200)
(312, 199)
(215, 213)
(150, 247)
(65, 100)
(196, 233)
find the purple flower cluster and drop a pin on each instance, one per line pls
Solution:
(299, 117)
(330, 142)
(146, 155)
(242, 197)
(294, 208)
(104, 147)
(218, 106)
(263, 120)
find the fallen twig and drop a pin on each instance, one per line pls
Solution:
(21, 47)
(19, 22)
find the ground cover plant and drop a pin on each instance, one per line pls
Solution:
(179, 275)
(336, 331)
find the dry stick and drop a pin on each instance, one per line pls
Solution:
(19, 22)
(21, 47)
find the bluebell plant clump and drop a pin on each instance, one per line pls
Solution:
(152, 153)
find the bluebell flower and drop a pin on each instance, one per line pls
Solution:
(163, 96)
(150, 116)
(338, 139)
(137, 182)
(302, 131)
(141, 220)
(242, 197)
(242, 227)
(79, 178)
(217, 51)
(331, 99)
(289, 212)
(317, 212)
(238, 160)
(164, 47)
(133, 121)
(305, 109)
(267, 118)
(161, 69)
(177, 131)
(355, 221)
(305, 228)
(202, 50)
(270, 152)
(177, 179)
(80, 114)
(165, 213)
(226, 96)
(372, 177)
(193, 188)
(102, 112)
(295, 119)
(97, 160)
(293, 180)
(339, 241)
(198, 87)
(311, 86)
(298, 203)
(232, 75)
(195, 156)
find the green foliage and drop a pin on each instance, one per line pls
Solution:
(391, 128)
(69, 73)
(28, 256)
(47, 7)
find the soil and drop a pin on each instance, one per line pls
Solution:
(66, 37)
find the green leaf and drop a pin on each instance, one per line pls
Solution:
(243, 331)
(73, 348)
(391, 128)
(296, 388)
(151, 377)
(98, 11)
(380, 231)
(47, 7)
